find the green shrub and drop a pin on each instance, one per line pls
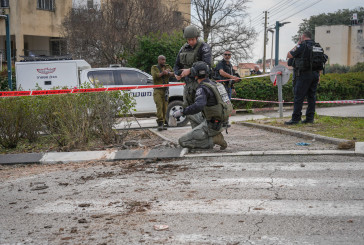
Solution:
(18, 119)
(359, 67)
(331, 87)
(260, 89)
(336, 68)
(4, 85)
(153, 45)
(71, 119)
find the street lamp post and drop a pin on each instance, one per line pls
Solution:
(279, 78)
(8, 48)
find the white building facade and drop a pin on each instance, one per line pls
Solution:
(343, 44)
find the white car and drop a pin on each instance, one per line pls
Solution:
(125, 77)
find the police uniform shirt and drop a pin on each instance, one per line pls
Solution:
(203, 54)
(300, 48)
(204, 97)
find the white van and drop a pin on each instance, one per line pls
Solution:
(49, 74)
(124, 77)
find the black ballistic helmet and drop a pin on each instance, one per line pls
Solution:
(200, 69)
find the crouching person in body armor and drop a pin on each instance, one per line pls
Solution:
(213, 101)
(194, 50)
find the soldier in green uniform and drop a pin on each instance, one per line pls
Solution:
(161, 74)
(213, 101)
(194, 50)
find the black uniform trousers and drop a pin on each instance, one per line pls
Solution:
(306, 85)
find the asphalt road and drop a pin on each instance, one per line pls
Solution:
(235, 200)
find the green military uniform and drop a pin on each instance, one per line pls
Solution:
(188, 57)
(160, 95)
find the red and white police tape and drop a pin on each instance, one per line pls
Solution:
(92, 90)
(319, 102)
(74, 91)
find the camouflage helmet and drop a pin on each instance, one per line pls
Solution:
(191, 32)
(200, 69)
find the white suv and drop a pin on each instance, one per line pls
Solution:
(124, 77)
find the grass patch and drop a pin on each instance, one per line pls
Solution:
(337, 127)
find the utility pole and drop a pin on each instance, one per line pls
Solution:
(265, 39)
(279, 78)
(8, 49)
(271, 51)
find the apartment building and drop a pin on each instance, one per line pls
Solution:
(35, 25)
(343, 44)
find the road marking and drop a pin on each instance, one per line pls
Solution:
(262, 207)
(281, 166)
(217, 206)
(244, 182)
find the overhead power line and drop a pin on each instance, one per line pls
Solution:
(284, 9)
(278, 5)
(301, 10)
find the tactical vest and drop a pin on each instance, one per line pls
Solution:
(312, 58)
(223, 109)
(189, 56)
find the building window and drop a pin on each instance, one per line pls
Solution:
(58, 47)
(4, 3)
(90, 4)
(360, 31)
(45, 4)
(327, 48)
(328, 31)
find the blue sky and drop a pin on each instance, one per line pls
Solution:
(256, 7)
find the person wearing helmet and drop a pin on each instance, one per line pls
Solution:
(194, 50)
(209, 101)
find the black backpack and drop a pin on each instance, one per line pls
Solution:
(313, 58)
(215, 74)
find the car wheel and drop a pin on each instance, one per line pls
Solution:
(174, 106)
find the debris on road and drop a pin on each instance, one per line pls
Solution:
(161, 227)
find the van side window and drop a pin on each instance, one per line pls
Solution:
(101, 78)
(132, 78)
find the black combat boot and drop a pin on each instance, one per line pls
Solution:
(165, 126)
(160, 126)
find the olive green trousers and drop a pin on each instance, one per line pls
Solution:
(161, 104)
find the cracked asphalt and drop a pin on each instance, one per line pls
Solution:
(222, 200)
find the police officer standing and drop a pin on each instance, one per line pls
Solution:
(194, 50)
(306, 80)
(161, 74)
(226, 71)
(209, 101)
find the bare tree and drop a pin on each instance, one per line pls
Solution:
(109, 33)
(223, 27)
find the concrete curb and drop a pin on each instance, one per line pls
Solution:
(84, 156)
(296, 133)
